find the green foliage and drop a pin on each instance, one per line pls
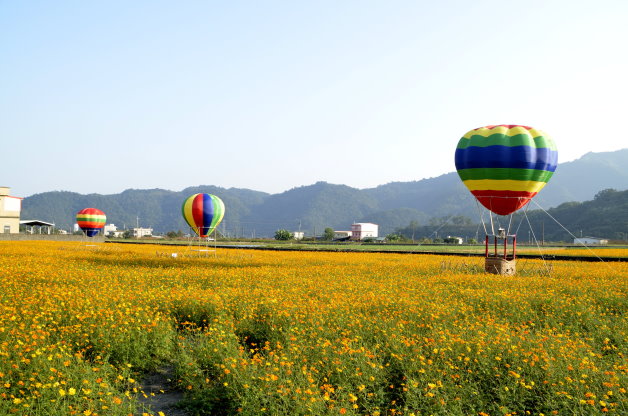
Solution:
(394, 238)
(174, 234)
(454, 220)
(328, 234)
(450, 240)
(606, 216)
(283, 235)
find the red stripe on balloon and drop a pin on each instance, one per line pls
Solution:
(197, 210)
(503, 202)
(90, 224)
(91, 211)
(508, 126)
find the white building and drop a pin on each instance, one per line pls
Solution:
(342, 235)
(10, 208)
(112, 230)
(37, 226)
(298, 235)
(589, 241)
(362, 230)
(142, 232)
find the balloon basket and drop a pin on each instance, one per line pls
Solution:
(499, 262)
(88, 242)
(201, 246)
(500, 265)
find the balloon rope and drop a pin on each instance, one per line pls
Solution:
(549, 273)
(522, 218)
(481, 213)
(492, 225)
(442, 225)
(509, 224)
(564, 228)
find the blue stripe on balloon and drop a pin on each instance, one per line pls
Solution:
(518, 157)
(208, 212)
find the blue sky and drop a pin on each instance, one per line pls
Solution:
(98, 97)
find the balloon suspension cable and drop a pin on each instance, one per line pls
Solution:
(549, 273)
(442, 225)
(481, 214)
(522, 218)
(570, 233)
(490, 215)
(509, 224)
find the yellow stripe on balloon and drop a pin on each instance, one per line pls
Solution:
(485, 132)
(187, 209)
(504, 185)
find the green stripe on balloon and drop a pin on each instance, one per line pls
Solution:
(505, 174)
(91, 219)
(504, 140)
(219, 212)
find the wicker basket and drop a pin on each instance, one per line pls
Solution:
(500, 265)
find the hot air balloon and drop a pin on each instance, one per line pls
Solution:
(203, 212)
(505, 166)
(91, 221)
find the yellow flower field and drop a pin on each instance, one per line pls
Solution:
(293, 333)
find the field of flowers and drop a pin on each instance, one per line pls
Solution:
(294, 333)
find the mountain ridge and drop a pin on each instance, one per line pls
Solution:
(311, 208)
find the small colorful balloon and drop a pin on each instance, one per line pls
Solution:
(91, 221)
(505, 166)
(203, 213)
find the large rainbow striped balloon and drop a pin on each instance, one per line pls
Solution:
(203, 212)
(505, 166)
(91, 220)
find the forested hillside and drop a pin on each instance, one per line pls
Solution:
(606, 216)
(314, 207)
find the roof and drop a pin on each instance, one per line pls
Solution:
(33, 223)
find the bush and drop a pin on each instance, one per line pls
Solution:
(283, 235)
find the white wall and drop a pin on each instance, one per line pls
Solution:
(12, 204)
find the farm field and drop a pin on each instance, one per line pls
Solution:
(294, 333)
(575, 251)
(550, 250)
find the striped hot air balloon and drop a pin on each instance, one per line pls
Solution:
(505, 166)
(91, 221)
(203, 212)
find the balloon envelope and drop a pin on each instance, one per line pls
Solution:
(91, 220)
(203, 212)
(505, 166)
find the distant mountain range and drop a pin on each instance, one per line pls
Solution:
(312, 208)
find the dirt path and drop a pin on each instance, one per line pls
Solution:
(163, 398)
